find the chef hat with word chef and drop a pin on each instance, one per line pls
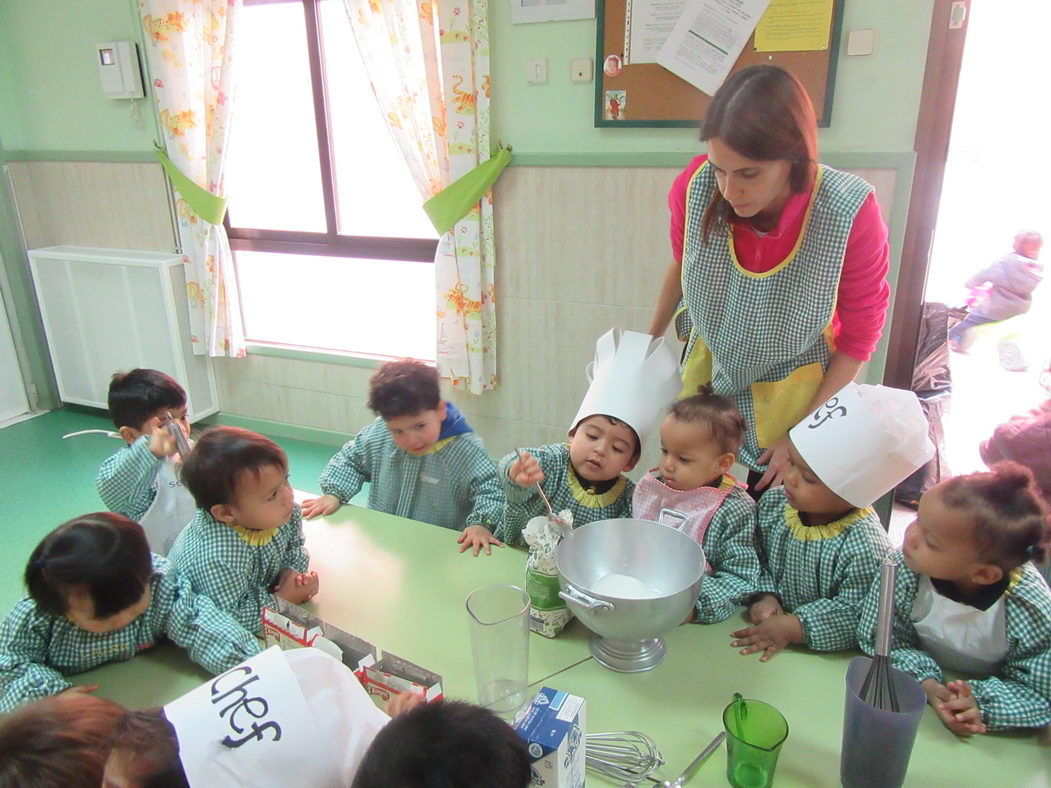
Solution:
(634, 377)
(864, 441)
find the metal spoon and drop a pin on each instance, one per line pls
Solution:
(181, 444)
(687, 773)
(550, 511)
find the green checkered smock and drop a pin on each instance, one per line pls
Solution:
(37, 650)
(238, 575)
(563, 490)
(764, 340)
(820, 572)
(452, 486)
(729, 546)
(1019, 696)
(127, 480)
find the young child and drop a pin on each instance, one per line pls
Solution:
(422, 458)
(97, 595)
(58, 741)
(140, 481)
(633, 377)
(699, 441)
(819, 540)
(245, 544)
(968, 599)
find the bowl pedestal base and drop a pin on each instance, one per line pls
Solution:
(632, 656)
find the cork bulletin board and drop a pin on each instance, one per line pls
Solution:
(654, 97)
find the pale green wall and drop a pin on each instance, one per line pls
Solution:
(55, 101)
(875, 104)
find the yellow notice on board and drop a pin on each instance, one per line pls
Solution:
(794, 26)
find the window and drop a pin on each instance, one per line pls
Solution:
(332, 248)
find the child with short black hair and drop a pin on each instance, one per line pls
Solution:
(96, 594)
(700, 438)
(449, 743)
(421, 457)
(58, 741)
(140, 480)
(968, 599)
(245, 545)
(818, 538)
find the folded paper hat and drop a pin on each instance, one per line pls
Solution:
(634, 377)
(864, 441)
(249, 726)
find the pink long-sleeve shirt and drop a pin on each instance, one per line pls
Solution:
(861, 304)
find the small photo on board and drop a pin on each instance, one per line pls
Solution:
(615, 104)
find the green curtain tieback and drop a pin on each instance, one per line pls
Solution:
(202, 202)
(456, 200)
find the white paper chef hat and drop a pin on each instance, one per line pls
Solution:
(251, 726)
(864, 441)
(634, 377)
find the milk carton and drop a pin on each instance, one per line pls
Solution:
(553, 727)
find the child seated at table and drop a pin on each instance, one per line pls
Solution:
(819, 540)
(62, 741)
(139, 480)
(633, 378)
(968, 599)
(244, 546)
(96, 594)
(700, 437)
(421, 457)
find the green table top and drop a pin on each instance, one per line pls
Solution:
(401, 585)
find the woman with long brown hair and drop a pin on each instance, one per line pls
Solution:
(780, 265)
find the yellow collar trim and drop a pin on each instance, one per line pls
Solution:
(814, 533)
(1016, 577)
(728, 482)
(799, 239)
(435, 447)
(254, 537)
(591, 499)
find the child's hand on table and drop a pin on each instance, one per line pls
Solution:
(955, 706)
(79, 689)
(297, 587)
(319, 507)
(525, 471)
(762, 608)
(771, 636)
(477, 536)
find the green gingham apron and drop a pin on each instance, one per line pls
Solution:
(765, 340)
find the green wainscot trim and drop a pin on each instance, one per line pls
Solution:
(279, 429)
(325, 357)
(121, 156)
(839, 160)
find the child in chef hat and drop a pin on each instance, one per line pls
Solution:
(968, 598)
(818, 539)
(633, 377)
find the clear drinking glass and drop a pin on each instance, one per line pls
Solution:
(755, 732)
(500, 645)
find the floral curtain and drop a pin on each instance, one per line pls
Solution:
(189, 48)
(435, 98)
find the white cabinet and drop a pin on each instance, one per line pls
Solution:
(106, 310)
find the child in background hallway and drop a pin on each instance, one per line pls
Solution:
(968, 598)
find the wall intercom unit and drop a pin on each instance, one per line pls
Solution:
(119, 70)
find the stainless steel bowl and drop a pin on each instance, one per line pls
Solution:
(659, 557)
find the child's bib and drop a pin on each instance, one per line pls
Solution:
(958, 636)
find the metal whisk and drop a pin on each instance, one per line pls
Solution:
(629, 756)
(878, 687)
(181, 444)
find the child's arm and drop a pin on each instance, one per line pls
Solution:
(125, 481)
(729, 546)
(23, 651)
(212, 638)
(294, 583)
(229, 586)
(344, 475)
(524, 503)
(487, 502)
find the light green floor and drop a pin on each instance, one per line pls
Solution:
(45, 481)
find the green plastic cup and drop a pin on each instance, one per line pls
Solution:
(755, 732)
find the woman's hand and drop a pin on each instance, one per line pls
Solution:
(776, 460)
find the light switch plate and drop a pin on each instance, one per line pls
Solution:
(861, 42)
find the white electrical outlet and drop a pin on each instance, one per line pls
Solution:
(580, 70)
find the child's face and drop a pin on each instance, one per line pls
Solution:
(418, 432)
(940, 541)
(689, 457)
(601, 450)
(263, 501)
(130, 434)
(806, 493)
(80, 610)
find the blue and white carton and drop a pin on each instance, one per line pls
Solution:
(553, 727)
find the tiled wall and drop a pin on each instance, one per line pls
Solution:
(579, 250)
